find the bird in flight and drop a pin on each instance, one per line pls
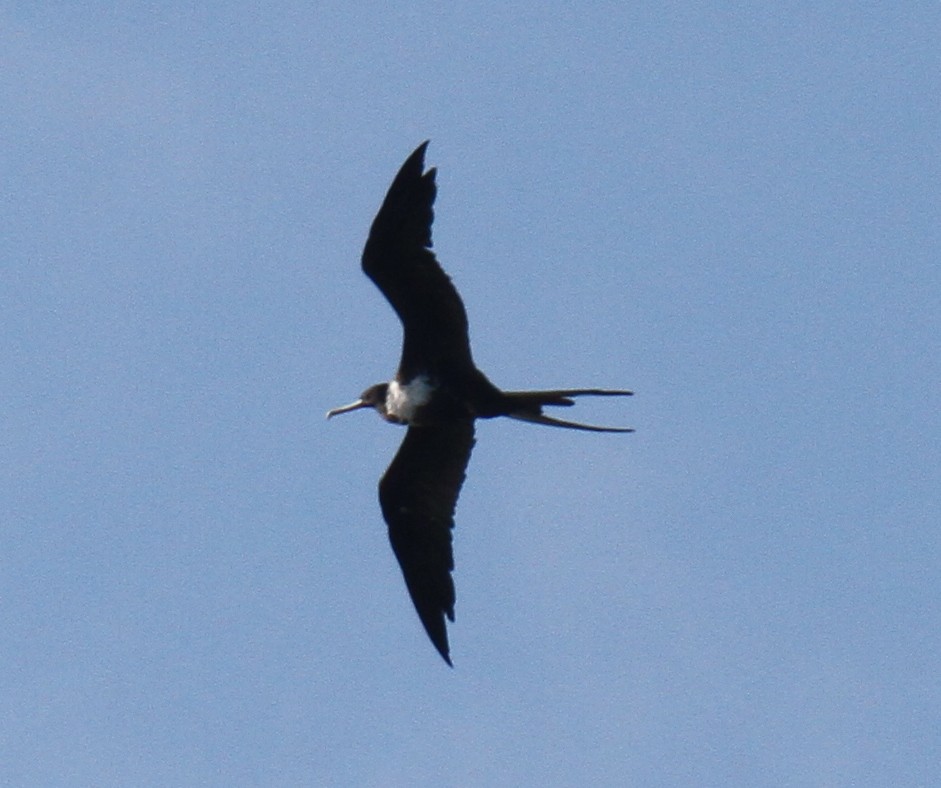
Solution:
(437, 392)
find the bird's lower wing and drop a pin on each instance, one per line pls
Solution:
(418, 494)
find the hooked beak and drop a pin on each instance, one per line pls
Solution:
(347, 408)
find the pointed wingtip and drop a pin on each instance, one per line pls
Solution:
(437, 632)
(442, 646)
(419, 152)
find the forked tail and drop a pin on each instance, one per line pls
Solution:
(528, 405)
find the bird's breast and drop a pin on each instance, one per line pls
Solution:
(404, 399)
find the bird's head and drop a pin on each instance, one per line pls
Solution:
(373, 397)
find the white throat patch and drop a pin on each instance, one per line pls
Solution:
(403, 401)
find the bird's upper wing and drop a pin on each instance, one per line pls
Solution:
(398, 258)
(418, 494)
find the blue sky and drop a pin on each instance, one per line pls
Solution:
(732, 211)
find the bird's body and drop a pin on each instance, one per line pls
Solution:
(404, 401)
(438, 392)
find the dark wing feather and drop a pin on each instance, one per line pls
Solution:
(418, 494)
(398, 258)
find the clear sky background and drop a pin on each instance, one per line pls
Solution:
(734, 211)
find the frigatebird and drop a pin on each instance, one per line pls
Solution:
(438, 392)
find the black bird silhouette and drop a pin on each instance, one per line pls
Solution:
(437, 391)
